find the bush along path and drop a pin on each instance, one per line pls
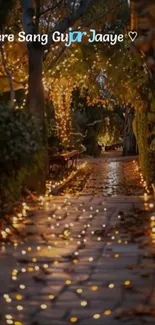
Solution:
(83, 259)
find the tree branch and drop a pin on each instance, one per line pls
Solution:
(94, 123)
(105, 14)
(51, 8)
(54, 62)
(28, 13)
(70, 19)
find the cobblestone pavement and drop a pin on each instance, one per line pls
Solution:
(109, 176)
(76, 263)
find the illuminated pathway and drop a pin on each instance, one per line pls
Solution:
(113, 175)
(78, 264)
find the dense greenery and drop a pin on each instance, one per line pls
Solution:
(20, 148)
(130, 83)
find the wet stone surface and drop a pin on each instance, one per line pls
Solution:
(107, 176)
(76, 262)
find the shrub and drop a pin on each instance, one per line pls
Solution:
(20, 148)
(140, 126)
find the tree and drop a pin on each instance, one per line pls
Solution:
(5, 7)
(143, 20)
(36, 51)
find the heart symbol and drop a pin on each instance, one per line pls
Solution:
(133, 35)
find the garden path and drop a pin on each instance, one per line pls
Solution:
(85, 258)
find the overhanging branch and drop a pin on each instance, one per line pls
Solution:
(51, 8)
(71, 19)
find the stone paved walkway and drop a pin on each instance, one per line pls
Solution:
(76, 264)
(113, 175)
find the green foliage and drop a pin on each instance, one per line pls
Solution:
(141, 133)
(20, 151)
(129, 83)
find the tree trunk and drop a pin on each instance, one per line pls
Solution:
(133, 16)
(35, 57)
(129, 143)
(37, 180)
(36, 90)
(9, 76)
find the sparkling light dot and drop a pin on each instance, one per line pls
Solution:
(84, 303)
(14, 278)
(9, 321)
(19, 307)
(151, 205)
(96, 316)
(68, 282)
(74, 319)
(79, 290)
(127, 283)
(91, 259)
(75, 261)
(8, 317)
(94, 288)
(37, 268)
(43, 306)
(34, 259)
(19, 297)
(107, 312)
(6, 296)
(111, 286)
